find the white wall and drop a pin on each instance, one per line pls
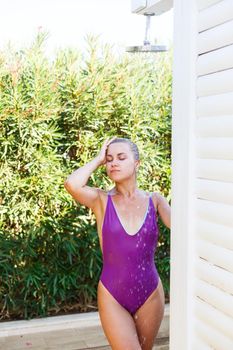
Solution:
(183, 170)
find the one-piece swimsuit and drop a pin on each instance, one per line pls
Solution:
(129, 272)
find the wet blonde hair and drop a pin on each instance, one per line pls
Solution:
(132, 145)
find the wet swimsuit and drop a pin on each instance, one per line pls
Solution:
(129, 272)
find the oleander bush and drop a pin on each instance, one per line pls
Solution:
(55, 115)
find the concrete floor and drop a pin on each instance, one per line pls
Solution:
(70, 332)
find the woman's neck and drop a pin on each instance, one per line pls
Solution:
(129, 190)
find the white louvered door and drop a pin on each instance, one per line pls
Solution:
(201, 309)
(213, 306)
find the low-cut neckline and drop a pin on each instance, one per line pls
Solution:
(143, 222)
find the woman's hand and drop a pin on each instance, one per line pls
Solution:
(76, 183)
(102, 154)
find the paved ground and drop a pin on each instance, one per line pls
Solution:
(71, 332)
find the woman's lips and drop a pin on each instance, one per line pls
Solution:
(112, 171)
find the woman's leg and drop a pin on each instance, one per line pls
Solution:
(149, 316)
(118, 324)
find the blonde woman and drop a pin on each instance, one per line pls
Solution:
(130, 294)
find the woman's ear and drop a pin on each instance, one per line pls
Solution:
(137, 164)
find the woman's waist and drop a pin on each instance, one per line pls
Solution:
(127, 271)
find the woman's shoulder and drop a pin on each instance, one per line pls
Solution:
(103, 194)
(155, 198)
(157, 195)
(160, 199)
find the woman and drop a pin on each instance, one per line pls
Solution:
(130, 294)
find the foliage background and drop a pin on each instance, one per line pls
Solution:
(54, 117)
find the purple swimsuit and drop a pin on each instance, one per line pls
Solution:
(129, 272)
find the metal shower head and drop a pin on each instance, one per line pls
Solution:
(147, 47)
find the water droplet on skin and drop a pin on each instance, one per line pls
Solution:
(143, 339)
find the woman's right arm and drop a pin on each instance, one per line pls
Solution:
(76, 182)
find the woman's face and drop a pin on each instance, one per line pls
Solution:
(120, 162)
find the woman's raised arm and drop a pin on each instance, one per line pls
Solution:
(76, 182)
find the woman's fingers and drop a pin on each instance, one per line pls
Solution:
(107, 142)
(113, 138)
(105, 145)
(103, 151)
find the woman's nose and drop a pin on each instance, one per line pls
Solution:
(114, 163)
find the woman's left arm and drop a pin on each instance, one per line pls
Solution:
(164, 209)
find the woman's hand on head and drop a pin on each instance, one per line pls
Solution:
(76, 183)
(102, 154)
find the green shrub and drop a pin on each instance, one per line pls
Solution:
(54, 117)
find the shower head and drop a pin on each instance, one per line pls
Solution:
(147, 47)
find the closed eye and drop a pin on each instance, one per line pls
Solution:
(109, 160)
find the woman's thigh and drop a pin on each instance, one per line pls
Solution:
(118, 324)
(149, 316)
